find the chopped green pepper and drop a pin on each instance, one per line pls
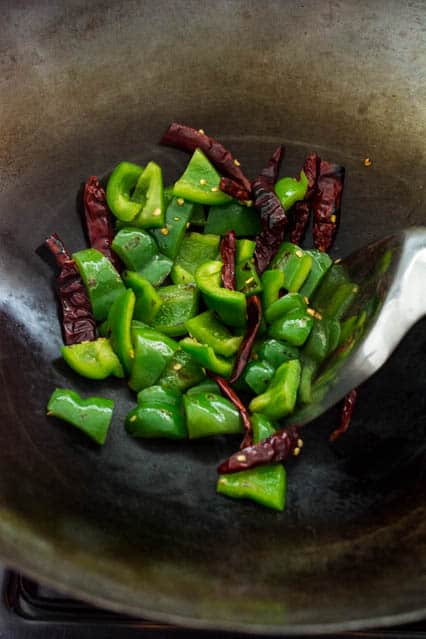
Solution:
(246, 276)
(196, 248)
(148, 301)
(293, 327)
(233, 217)
(92, 415)
(309, 369)
(284, 305)
(275, 352)
(153, 351)
(120, 187)
(290, 190)
(210, 414)
(95, 360)
(119, 324)
(321, 263)
(200, 182)
(207, 386)
(206, 356)
(102, 281)
(257, 375)
(149, 194)
(170, 237)
(272, 282)
(334, 277)
(159, 413)
(294, 263)
(280, 397)
(341, 300)
(229, 305)
(207, 329)
(139, 252)
(179, 304)
(182, 372)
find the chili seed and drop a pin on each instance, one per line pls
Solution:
(164, 231)
(339, 259)
(333, 219)
(133, 418)
(241, 458)
(296, 452)
(368, 162)
(299, 253)
(201, 131)
(214, 189)
(177, 366)
(300, 443)
(306, 300)
(176, 219)
(157, 212)
(203, 181)
(237, 162)
(180, 201)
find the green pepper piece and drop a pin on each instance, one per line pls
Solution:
(148, 301)
(317, 345)
(120, 187)
(199, 215)
(139, 252)
(266, 484)
(334, 277)
(309, 369)
(348, 328)
(206, 356)
(182, 372)
(102, 281)
(170, 237)
(210, 414)
(158, 269)
(275, 352)
(321, 263)
(119, 325)
(196, 248)
(207, 386)
(290, 190)
(95, 360)
(179, 304)
(92, 415)
(280, 397)
(257, 375)
(272, 282)
(246, 277)
(341, 300)
(153, 351)
(284, 305)
(293, 327)
(229, 305)
(159, 413)
(168, 194)
(207, 329)
(150, 195)
(294, 263)
(335, 330)
(200, 182)
(233, 217)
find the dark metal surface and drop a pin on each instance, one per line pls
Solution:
(137, 526)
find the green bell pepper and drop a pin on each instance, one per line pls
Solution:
(92, 415)
(235, 217)
(196, 248)
(199, 216)
(293, 327)
(272, 282)
(170, 237)
(139, 252)
(290, 190)
(334, 277)
(119, 325)
(294, 263)
(229, 305)
(279, 399)
(321, 263)
(207, 329)
(284, 305)
(159, 413)
(179, 304)
(210, 414)
(257, 375)
(200, 182)
(182, 372)
(206, 386)
(102, 281)
(309, 370)
(153, 351)
(266, 484)
(120, 187)
(275, 352)
(206, 357)
(341, 300)
(149, 193)
(95, 360)
(246, 277)
(148, 301)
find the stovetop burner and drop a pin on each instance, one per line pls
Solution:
(32, 611)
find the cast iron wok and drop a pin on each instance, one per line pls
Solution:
(136, 526)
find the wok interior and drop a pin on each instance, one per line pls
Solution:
(137, 525)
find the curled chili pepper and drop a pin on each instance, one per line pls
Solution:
(230, 394)
(188, 139)
(227, 251)
(275, 448)
(326, 204)
(78, 323)
(346, 415)
(254, 319)
(302, 209)
(234, 189)
(98, 219)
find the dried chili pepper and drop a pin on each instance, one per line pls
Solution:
(186, 138)
(346, 415)
(234, 189)
(227, 251)
(301, 211)
(254, 319)
(98, 219)
(326, 204)
(275, 448)
(230, 394)
(78, 323)
(272, 215)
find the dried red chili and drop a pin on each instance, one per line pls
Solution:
(254, 319)
(98, 219)
(275, 448)
(78, 323)
(272, 215)
(227, 251)
(326, 204)
(188, 139)
(234, 189)
(302, 210)
(346, 415)
(230, 394)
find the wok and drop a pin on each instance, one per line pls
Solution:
(136, 526)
